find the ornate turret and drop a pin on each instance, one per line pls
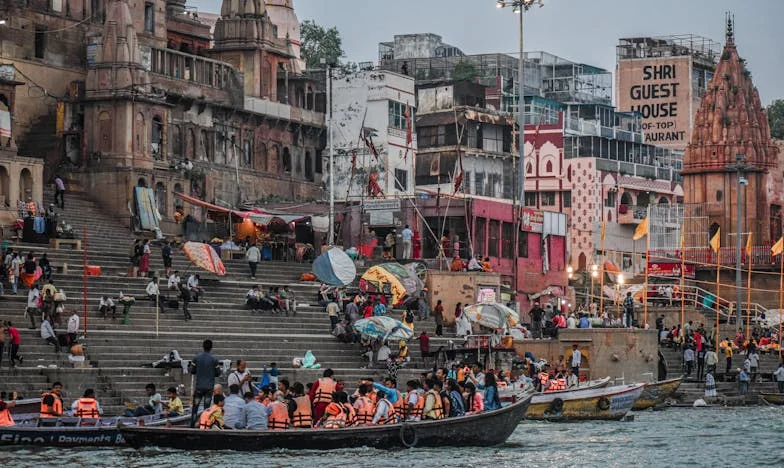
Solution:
(118, 66)
(243, 24)
(731, 126)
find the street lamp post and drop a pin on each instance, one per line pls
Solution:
(518, 196)
(740, 167)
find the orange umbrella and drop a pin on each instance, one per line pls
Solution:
(610, 267)
(205, 257)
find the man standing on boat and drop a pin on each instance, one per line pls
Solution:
(577, 359)
(204, 365)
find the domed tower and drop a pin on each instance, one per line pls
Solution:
(730, 130)
(282, 15)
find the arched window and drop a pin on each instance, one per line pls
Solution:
(286, 160)
(178, 200)
(5, 187)
(549, 167)
(204, 146)
(609, 216)
(190, 145)
(176, 144)
(160, 198)
(529, 169)
(626, 199)
(643, 199)
(26, 185)
(273, 161)
(719, 195)
(104, 132)
(156, 140)
(142, 182)
(140, 134)
(247, 153)
(664, 200)
(261, 156)
(308, 166)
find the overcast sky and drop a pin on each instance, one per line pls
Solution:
(579, 30)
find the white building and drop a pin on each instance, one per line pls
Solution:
(373, 110)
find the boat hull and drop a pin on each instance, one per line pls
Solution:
(471, 430)
(509, 395)
(610, 403)
(655, 393)
(773, 398)
(74, 436)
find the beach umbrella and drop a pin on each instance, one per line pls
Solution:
(393, 279)
(383, 326)
(334, 268)
(205, 257)
(492, 315)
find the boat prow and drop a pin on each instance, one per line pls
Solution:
(655, 393)
(773, 398)
(611, 403)
(484, 429)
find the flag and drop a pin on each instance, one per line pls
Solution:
(715, 241)
(778, 247)
(642, 229)
(748, 246)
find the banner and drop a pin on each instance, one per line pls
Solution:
(657, 269)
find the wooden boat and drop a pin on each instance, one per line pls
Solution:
(773, 398)
(77, 432)
(611, 403)
(655, 393)
(483, 429)
(506, 394)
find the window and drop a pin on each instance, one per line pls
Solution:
(507, 240)
(567, 199)
(247, 153)
(548, 168)
(493, 186)
(319, 161)
(401, 180)
(429, 137)
(286, 160)
(480, 236)
(479, 183)
(157, 138)
(467, 182)
(492, 247)
(397, 117)
(160, 197)
(547, 198)
(530, 198)
(609, 202)
(522, 245)
(492, 137)
(309, 166)
(176, 140)
(719, 195)
(40, 41)
(149, 17)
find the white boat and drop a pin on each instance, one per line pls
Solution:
(611, 403)
(507, 394)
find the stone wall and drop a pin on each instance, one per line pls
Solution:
(453, 287)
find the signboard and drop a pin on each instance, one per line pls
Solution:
(533, 220)
(660, 90)
(669, 270)
(381, 205)
(7, 72)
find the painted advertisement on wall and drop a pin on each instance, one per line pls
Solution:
(660, 90)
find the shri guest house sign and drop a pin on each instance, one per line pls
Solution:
(659, 89)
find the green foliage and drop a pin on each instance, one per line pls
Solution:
(464, 71)
(776, 118)
(320, 43)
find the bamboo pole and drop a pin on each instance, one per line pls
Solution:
(683, 281)
(718, 291)
(647, 258)
(601, 272)
(748, 294)
(781, 297)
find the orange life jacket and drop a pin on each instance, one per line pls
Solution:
(86, 408)
(438, 405)
(543, 378)
(416, 411)
(5, 418)
(351, 414)
(206, 415)
(303, 416)
(279, 416)
(336, 416)
(399, 404)
(51, 411)
(390, 416)
(324, 392)
(365, 413)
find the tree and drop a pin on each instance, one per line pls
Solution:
(320, 43)
(464, 71)
(776, 118)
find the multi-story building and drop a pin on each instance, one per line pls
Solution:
(663, 79)
(121, 94)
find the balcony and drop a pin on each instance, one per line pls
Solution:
(631, 214)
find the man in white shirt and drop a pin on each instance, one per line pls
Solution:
(152, 290)
(407, 236)
(577, 359)
(73, 327)
(253, 255)
(32, 305)
(105, 305)
(779, 375)
(754, 361)
(571, 322)
(194, 288)
(48, 334)
(241, 377)
(174, 281)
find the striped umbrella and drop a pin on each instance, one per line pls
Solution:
(492, 315)
(205, 257)
(335, 268)
(383, 326)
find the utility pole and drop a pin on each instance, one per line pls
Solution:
(331, 233)
(740, 167)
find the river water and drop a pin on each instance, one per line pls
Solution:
(675, 437)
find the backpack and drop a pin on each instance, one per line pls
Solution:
(409, 316)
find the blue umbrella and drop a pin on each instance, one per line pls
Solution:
(383, 326)
(334, 268)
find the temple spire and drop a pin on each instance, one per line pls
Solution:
(730, 27)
